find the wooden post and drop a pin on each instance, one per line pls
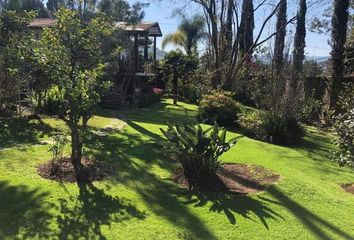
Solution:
(146, 50)
(136, 52)
(154, 48)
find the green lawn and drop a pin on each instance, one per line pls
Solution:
(141, 202)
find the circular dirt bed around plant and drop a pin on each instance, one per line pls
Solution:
(234, 178)
(349, 187)
(62, 170)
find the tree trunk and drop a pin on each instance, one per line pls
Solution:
(296, 90)
(339, 35)
(76, 152)
(279, 45)
(175, 85)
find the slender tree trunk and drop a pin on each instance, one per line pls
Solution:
(217, 71)
(175, 85)
(76, 152)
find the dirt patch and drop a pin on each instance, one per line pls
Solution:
(349, 187)
(234, 178)
(62, 170)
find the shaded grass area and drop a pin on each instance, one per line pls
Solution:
(141, 202)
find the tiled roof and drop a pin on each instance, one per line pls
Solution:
(153, 29)
(42, 22)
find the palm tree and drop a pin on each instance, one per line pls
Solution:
(189, 32)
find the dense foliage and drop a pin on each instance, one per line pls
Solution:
(344, 128)
(197, 150)
(177, 72)
(149, 97)
(339, 34)
(219, 106)
(71, 51)
(14, 40)
(279, 128)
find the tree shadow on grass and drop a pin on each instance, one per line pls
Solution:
(231, 205)
(315, 146)
(133, 156)
(159, 113)
(162, 200)
(15, 131)
(310, 220)
(83, 217)
(23, 213)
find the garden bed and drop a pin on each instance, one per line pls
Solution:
(62, 170)
(234, 178)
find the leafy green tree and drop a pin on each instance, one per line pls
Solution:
(13, 5)
(54, 5)
(176, 68)
(35, 5)
(71, 51)
(349, 53)
(189, 32)
(120, 10)
(14, 40)
(344, 128)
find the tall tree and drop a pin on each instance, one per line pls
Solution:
(116, 9)
(189, 32)
(120, 10)
(14, 40)
(339, 34)
(229, 24)
(246, 28)
(279, 45)
(35, 5)
(299, 48)
(71, 51)
(54, 5)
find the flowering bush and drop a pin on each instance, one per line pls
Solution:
(250, 122)
(153, 95)
(344, 127)
(158, 91)
(219, 106)
(279, 128)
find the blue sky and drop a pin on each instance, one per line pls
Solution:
(162, 12)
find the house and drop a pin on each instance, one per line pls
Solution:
(134, 65)
(142, 35)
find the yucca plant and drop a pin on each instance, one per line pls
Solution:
(197, 150)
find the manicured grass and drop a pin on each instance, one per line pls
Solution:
(141, 202)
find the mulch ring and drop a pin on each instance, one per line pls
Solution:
(349, 187)
(234, 178)
(62, 170)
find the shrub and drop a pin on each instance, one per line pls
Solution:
(250, 123)
(51, 104)
(279, 128)
(344, 128)
(219, 106)
(149, 98)
(310, 110)
(197, 150)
